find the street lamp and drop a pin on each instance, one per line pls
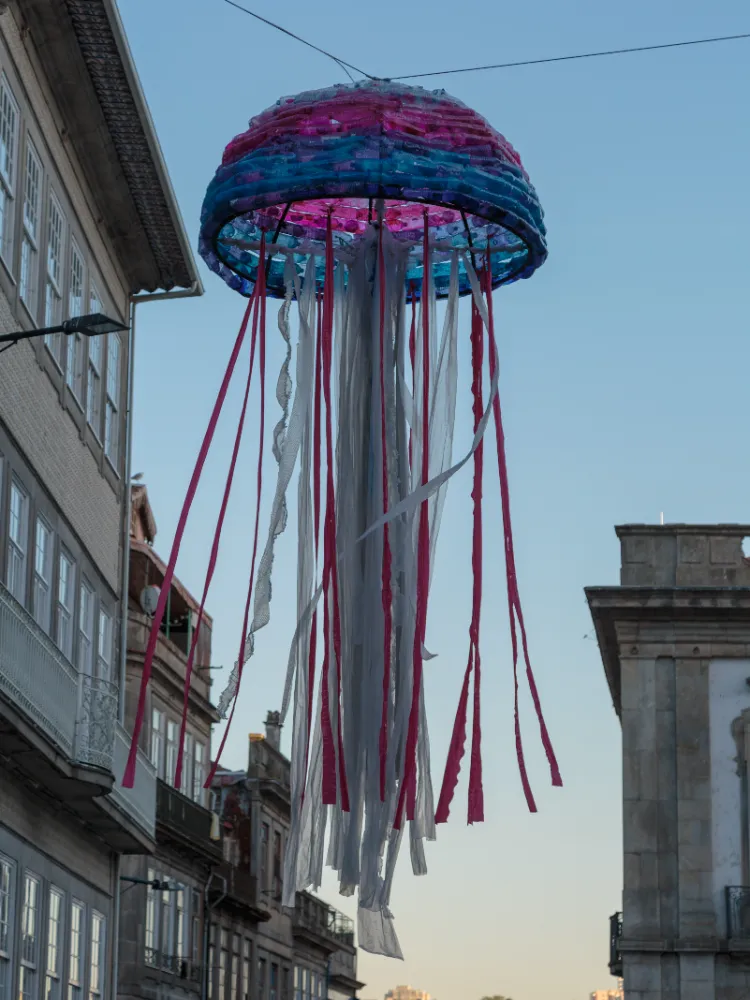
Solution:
(95, 325)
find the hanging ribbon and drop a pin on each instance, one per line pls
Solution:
(129, 775)
(261, 290)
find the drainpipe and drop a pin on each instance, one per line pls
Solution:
(207, 907)
(116, 929)
(195, 289)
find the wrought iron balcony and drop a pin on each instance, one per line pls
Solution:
(738, 912)
(313, 917)
(174, 966)
(615, 935)
(183, 820)
(75, 712)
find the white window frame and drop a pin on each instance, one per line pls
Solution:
(18, 543)
(31, 913)
(104, 645)
(53, 275)
(77, 936)
(199, 751)
(10, 117)
(7, 924)
(76, 344)
(186, 783)
(158, 722)
(97, 955)
(173, 738)
(151, 926)
(29, 277)
(66, 602)
(42, 581)
(94, 383)
(55, 931)
(86, 619)
(112, 400)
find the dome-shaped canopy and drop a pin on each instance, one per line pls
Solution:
(342, 150)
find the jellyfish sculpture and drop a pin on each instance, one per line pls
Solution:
(365, 204)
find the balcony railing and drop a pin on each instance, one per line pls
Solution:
(312, 914)
(240, 884)
(615, 935)
(185, 818)
(75, 711)
(738, 912)
(138, 802)
(175, 966)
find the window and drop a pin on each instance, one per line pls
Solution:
(180, 943)
(198, 776)
(234, 979)
(111, 413)
(75, 958)
(76, 346)
(94, 388)
(264, 834)
(53, 280)
(96, 967)
(186, 784)
(297, 983)
(42, 591)
(27, 974)
(277, 864)
(30, 238)
(211, 961)
(8, 156)
(223, 956)
(18, 528)
(165, 899)
(261, 979)
(157, 741)
(172, 736)
(285, 982)
(86, 630)
(150, 935)
(54, 932)
(6, 923)
(195, 923)
(274, 984)
(66, 572)
(104, 654)
(246, 985)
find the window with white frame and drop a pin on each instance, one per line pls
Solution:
(28, 973)
(186, 782)
(273, 993)
(234, 975)
(180, 930)
(52, 990)
(18, 535)
(75, 955)
(104, 649)
(246, 984)
(223, 963)
(150, 940)
(157, 741)
(6, 927)
(86, 629)
(96, 961)
(53, 279)
(261, 979)
(211, 960)
(172, 738)
(9, 118)
(66, 582)
(198, 775)
(76, 344)
(42, 587)
(195, 927)
(112, 403)
(32, 190)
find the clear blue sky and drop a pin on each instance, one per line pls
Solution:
(624, 382)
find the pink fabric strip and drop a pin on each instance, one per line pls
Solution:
(313, 652)
(386, 587)
(214, 553)
(458, 737)
(261, 287)
(129, 775)
(423, 547)
(514, 600)
(329, 536)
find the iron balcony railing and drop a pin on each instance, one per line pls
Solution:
(75, 711)
(185, 818)
(615, 936)
(314, 915)
(738, 912)
(174, 965)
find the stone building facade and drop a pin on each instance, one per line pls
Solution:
(675, 641)
(88, 223)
